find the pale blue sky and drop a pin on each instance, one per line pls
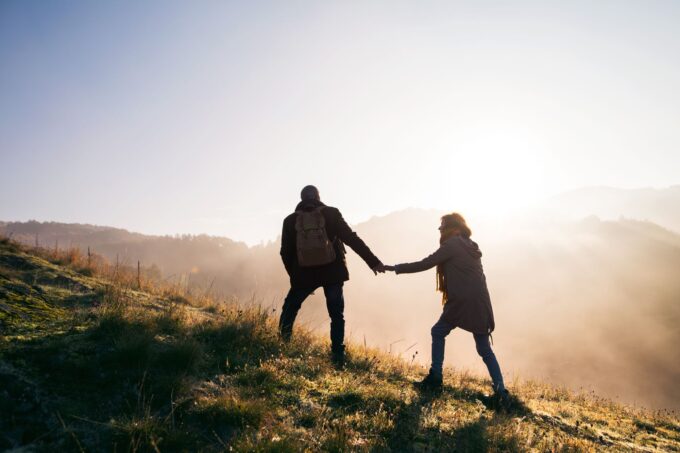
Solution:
(189, 117)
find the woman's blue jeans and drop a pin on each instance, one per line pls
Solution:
(439, 332)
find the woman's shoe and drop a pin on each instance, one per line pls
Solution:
(502, 400)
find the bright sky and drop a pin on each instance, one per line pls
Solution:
(190, 117)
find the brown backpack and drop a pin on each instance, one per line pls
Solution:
(313, 246)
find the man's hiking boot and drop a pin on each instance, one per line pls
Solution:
(338, 358)
(432, 382)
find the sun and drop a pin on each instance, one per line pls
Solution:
(496, 171)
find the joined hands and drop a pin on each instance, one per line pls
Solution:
(382, 268)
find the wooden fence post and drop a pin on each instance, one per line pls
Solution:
(139, 276)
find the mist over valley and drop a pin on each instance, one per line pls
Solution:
(582, 301)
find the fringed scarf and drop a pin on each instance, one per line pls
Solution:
(441, 275)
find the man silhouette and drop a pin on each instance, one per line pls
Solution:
(305, 279)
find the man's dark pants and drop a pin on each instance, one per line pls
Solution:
(335, 303)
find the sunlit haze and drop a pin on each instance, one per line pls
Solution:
(551, 126)
(178, 117)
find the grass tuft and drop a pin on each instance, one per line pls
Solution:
(230, 411)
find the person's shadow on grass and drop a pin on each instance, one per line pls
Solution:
(408, 433)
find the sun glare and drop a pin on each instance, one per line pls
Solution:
(497, 171)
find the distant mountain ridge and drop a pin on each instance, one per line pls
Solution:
(660, 206)
(79, 233)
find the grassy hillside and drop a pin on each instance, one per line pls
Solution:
(93, 360)
(229, 266)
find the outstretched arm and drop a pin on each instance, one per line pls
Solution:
(350, 238)
(442, 254)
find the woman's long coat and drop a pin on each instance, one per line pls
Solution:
(468, 305)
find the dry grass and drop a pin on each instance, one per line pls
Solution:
(122, 368)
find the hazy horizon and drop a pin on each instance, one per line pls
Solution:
(476, 215)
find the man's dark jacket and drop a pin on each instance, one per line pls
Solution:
(338, 232)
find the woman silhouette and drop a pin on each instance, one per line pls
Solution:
(465, 297)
